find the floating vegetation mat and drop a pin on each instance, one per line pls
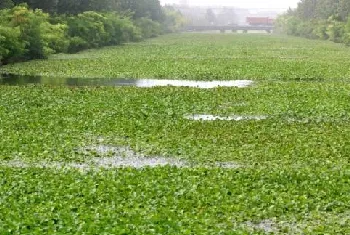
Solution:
(196, 57)
(105, 159)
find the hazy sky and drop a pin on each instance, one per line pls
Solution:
(241, 3)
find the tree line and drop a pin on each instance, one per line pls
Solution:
(318, 19)
(31, 29)
(141, 8)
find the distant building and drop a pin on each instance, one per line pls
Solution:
(228, 15)
(260, 21)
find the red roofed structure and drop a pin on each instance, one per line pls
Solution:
(260, 21)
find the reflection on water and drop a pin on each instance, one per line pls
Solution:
(203, 117)
(17, 80)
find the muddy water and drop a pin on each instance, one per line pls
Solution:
(18, 80)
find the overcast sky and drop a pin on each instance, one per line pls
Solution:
(278, 4)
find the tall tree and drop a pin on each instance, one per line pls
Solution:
(323, 9)
(68, 6)
(210, 16)
(140, 8)
(326, 8)
(344, 9)
(227, 16)
(6, 4)
(306, 9)
(45, 5)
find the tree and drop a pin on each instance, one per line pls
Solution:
(322, 19)
(210, 16)
(173, 20)
(11, 46)
(306, 9)
(227, 16)
(142, 8)
(68, 7)
(344, 9)
(6, 4)
(45, 5)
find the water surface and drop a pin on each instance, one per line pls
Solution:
(207, 117)
(115, 157)
(19, 80)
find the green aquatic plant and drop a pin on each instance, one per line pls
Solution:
(201, 57)
(287, 173)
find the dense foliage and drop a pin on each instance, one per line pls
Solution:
(140, 8)
(30, 34)
(318, 19)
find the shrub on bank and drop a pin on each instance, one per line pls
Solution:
(56, 37)
(92, 30)
(332, 29)
(32, 34)
(120, 29)
(89, 27)
(173, 20)
(27, 34)
(149, 28)
(11, 46)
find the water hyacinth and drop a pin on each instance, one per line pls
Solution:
(275, 160)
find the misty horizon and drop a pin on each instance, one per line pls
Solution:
(267, 4)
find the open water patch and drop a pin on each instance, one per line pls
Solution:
(115, 162)
(137, 162)
(267, 226)
(123, 156)
(195, 84)
(19, 163)
(207, 117)
(22, 80)
(310, 222)
(272, 226)
(115, 157)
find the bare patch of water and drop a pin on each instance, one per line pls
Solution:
(267, 226)
(271, 226)
(18, 163)
(103, 162)
(311, 222)
(113, 157)
(117, 157)
(122, 156)
(197, 84)
(19, 80)
(207, 117)
(137, 162)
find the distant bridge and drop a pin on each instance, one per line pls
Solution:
(267, 28)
